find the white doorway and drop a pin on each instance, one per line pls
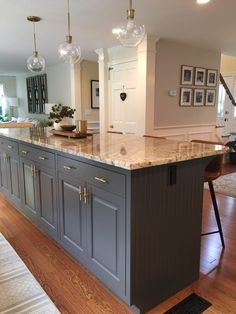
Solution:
(123, 113)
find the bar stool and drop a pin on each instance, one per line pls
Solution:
(213, 171)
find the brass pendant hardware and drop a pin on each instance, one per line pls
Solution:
(33, 18)
(100, 179)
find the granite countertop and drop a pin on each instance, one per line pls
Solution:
(124, 151)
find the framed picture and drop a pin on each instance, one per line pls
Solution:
(186, 75)
(185, 97)
(94, 94)
(211, 78)
(198, 97)
(210, 97)
(200, 76)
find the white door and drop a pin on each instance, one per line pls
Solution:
(227, 117)
(123, 114)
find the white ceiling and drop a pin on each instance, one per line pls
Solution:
(212, 26)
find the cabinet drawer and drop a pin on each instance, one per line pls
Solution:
(37, 155)
(9, 147)
(108, 180)
(71, 167)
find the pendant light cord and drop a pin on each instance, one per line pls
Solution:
(130, 4)
(35, 47)
(68, 16)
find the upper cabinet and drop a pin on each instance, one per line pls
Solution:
(37, 93)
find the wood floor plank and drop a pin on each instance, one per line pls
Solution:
(75, 291)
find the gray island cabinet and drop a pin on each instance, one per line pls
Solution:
(137, 230)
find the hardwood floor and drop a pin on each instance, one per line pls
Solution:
(74, 290)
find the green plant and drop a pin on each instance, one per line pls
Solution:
(59, 112)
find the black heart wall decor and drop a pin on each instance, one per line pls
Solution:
(123, 96)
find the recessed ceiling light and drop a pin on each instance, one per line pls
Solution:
(203, 1)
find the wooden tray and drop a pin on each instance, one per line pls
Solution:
(69, 134)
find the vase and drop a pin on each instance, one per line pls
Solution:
(65, 121)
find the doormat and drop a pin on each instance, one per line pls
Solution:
(193, 304)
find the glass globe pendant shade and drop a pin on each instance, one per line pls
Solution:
(69, 52)
(130, 35)
(36, 63)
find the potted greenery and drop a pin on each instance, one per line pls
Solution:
(232, 146)
(59, 113)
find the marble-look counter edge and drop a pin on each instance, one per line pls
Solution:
(126, 163)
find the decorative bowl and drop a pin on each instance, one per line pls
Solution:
(68, 127)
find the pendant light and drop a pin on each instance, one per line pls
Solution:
(69, 51)
(130, 34)
(35, 63)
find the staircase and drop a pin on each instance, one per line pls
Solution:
(231, 97)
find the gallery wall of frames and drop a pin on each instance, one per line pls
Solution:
(198, 86)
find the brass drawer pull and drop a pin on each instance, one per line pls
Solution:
(42, 158)
(9, 146)
(68, 167)
(24, 152)
(102, 180)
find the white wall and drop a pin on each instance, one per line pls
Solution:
(170, 57)
(89, 71)
(171, 120)
(59, 89)
(9, 85)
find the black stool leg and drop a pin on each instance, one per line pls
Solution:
(213, 197)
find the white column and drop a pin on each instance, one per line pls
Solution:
(146, 83)
(79, 114)
(103, 88)
(76, 90)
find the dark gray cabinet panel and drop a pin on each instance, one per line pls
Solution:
(72, 215)
(28, 189)
(14, 182)
(4, 173)
(46, 199)
(9, 168)
(39, 187)
(106, 237)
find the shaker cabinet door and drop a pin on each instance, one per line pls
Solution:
(14, 181)
(46, 200)
(106, 237)
(72, 215)
(28, 189)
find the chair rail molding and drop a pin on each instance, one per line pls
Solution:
(187, 132)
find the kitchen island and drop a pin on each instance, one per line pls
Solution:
(127, 207)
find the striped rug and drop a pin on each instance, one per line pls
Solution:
(19, 290)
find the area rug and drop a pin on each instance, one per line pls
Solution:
(193, 304)
(225, 184)
(19, 290)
